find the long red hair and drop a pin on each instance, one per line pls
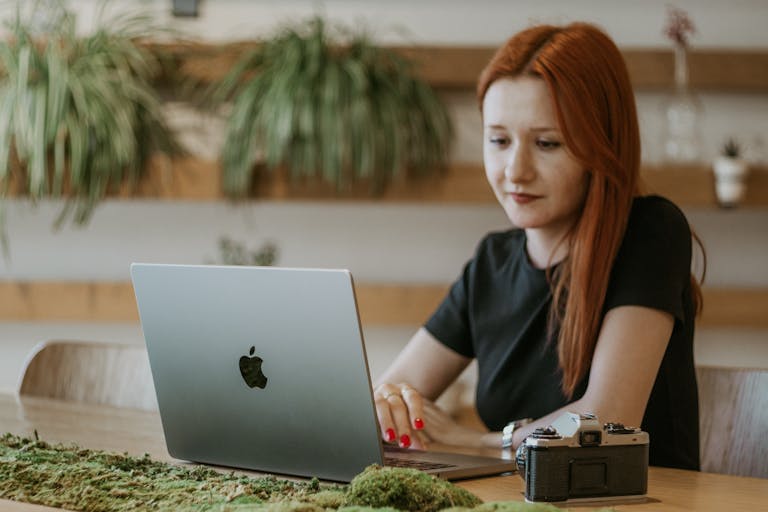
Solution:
(589, 83)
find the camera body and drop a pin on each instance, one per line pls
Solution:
(577, 458)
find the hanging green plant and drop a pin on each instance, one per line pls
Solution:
(78, 115)
(333, 106)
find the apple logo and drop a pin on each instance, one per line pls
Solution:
(250, 369)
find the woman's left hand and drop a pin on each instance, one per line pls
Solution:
(440, 427)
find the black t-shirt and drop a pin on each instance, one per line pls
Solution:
(497, 312)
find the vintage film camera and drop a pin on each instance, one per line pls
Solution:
(575, 458)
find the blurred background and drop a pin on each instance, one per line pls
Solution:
(71, 282)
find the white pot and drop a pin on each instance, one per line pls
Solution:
(730, 179)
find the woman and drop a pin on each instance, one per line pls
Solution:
(588, 304)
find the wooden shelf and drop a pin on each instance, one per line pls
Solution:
(694, 186)
(193, 179)
(452, 67)
(740, 70)
(380, 304)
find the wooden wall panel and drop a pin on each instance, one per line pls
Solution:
(380, 304)
(193, 179)
(746, 307)
(458, 67)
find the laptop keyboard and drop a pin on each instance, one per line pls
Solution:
(415, 464)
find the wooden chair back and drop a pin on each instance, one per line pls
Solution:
(733, 417)
(102, 373)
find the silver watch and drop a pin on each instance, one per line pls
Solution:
(509, 430)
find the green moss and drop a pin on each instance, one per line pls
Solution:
(367, 509)
(406, 489)
(86, 480)
(330, 498)
(280, 506)
(68, 477)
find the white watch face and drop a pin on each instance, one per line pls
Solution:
(509, 430)
(506, 434)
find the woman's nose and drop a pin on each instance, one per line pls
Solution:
(518, 166)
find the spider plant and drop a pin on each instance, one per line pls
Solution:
(78, 115)
(329, 105)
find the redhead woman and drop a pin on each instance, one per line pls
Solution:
(587, 303)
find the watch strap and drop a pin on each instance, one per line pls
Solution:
(508, 431)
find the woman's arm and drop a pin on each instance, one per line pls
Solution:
(423, 370)
(629, 350)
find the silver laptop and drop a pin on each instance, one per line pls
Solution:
(265, 368)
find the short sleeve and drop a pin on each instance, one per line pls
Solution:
(449, 324)
(653, 265)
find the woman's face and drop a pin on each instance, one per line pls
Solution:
(536, 179)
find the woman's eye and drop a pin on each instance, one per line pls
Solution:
(498, 140)
(548, 144)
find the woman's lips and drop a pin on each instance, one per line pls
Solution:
(521, 198)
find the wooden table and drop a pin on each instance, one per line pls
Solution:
(137, 432)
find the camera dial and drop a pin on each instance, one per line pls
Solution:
(619, 428)
(546, 433)
(521, 456)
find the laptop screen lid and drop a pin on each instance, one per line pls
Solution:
(259, 367)
(265, 368)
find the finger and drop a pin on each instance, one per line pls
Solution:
(415, 403)
(386, 422)
(384, 390)
(399, 412)
(434, 416)
(420, 440)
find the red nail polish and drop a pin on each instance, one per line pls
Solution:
(390, 433)
(418, 423)
(405, 441)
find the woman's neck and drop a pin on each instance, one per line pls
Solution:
(545, 248)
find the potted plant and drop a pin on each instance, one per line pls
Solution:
(233, 252)
(731, 171)
(331, 105)
(78, 115)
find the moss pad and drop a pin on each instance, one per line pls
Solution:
(76, 479)
(406, 489)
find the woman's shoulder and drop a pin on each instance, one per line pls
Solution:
(657, 214)
(657, 228)
(655, 209)
(653, 265)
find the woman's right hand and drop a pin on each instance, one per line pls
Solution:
(400, 409)
(423, 370)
